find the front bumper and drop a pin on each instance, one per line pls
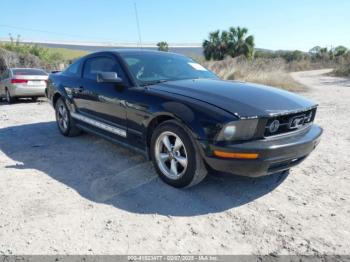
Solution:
(275, 154)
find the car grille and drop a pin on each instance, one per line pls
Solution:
(288, 123)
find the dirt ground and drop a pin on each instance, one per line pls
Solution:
(85, 195)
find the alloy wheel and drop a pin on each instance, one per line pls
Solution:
(62, 117)
(171, 155)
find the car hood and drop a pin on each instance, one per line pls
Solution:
(245, 100)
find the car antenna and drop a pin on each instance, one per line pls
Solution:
(138, 25)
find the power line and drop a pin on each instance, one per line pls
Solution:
(51, 32)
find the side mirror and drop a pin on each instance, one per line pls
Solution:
(109, 77)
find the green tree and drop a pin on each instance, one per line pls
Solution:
(315, 50)
(340, 50)
(240, 43)
(212, 47)
(163, 46)
(322, 53)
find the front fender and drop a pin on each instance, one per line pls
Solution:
(202, 119)
(55, 89)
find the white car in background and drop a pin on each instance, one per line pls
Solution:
(22, 82)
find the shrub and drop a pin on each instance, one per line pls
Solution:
(271, 72)
(343, 66)
(13, 59)
(49, 59)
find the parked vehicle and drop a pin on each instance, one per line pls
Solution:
(22, 82)
(182, 116)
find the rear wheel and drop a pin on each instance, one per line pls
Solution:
(34, 98)
(175, 156)
(65, 122)
(8, 97)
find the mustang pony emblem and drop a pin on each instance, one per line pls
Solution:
(296, 122)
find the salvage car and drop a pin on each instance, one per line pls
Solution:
(22, 83)
(183, 117)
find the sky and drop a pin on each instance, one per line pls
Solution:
(275, 24)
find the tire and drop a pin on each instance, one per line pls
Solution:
(65, 123)
(34, 98)
(9, 99)
(182, 165)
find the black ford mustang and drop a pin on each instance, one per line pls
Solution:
(182, 116)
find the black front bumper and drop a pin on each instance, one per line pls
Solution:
(275, 154)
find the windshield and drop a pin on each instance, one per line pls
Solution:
(150, 68)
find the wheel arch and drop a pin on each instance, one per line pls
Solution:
(156, 121)
(55, 97)
(8, 90)
(202, 120)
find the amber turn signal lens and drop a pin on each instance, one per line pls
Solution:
(235, 155)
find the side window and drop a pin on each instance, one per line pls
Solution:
(73, 69)
(101, 64)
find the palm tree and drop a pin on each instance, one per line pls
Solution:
(212, 47)
(163, 46)
(234, 42)
(241, 44)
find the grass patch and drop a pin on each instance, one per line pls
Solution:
(343, 71)
(68, 54)
(50, 58)
(343, 67)
(272, 72)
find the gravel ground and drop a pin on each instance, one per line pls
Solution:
(84, 195)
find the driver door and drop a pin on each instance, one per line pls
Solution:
(102, 102)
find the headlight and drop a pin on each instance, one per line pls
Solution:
(238, 130)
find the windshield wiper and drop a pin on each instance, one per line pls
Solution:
(149, 83)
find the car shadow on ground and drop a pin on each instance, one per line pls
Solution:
(336, 81)
(107, 173)
(22, 101)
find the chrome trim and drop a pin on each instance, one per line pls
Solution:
(300, 130)
(276, 114)
(109, 128)
(291, 112)
(306, 121)
(114, 140)
(297, 125)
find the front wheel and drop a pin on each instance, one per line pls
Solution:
(65, 122)
(175, 156)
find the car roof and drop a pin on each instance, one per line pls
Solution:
(135, 51)
(25, 68)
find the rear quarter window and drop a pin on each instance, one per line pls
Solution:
(73, 69)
